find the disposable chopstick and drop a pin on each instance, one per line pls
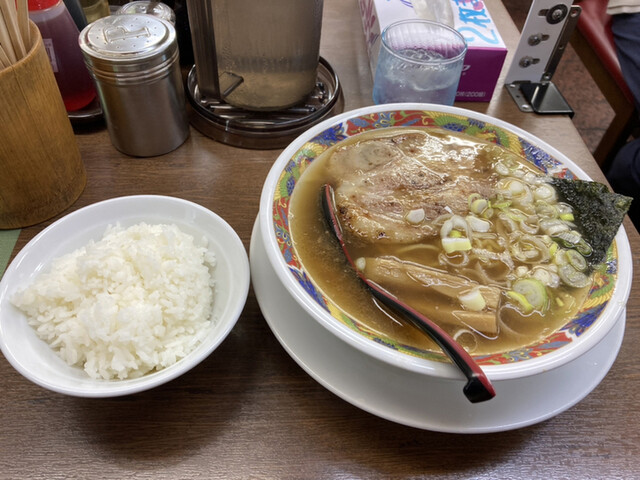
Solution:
(4, 58)
(23, 23)
(5, 41)
(11, 24)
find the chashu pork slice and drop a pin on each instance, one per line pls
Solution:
(382, 180)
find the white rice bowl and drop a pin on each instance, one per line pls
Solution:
(226, 260)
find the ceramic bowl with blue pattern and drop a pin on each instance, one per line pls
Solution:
(605, 302)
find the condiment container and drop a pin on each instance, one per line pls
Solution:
(149, 7)
(95, 9)
(60, 37)
(134, 61)
(174, 11)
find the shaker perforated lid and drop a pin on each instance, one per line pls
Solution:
(148, 7)
(127, 43)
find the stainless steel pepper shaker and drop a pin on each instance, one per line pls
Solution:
(134, 61)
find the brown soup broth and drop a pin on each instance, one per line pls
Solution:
(322, 258)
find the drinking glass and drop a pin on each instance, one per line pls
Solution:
(419, 61)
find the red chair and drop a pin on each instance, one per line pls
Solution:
(593, 42)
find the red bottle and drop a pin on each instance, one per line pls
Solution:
(60, 38)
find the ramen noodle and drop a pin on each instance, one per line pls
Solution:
(462, 230)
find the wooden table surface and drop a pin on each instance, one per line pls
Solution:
(249, 411)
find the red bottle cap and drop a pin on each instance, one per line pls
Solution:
(35, 5)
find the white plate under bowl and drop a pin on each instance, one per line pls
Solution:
(34, 359)
(411, 398)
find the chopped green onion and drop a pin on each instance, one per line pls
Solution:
(545, 192)
(488, 213)
(564, 208)
(452, 244)
(568, 239)
(530, 249)
(500, 203)
(455, 222)
(545, 210)
(530, 225)
(553, 226)
(478, 206)
(501, 168)
(576, 260)
(522, 303)
(584, 248)
(473, 300)
(516, 190)
(515, 187)
(473, 197)
(546, 276)
(534, 291)
(516, 215)
(478, 224)
(572, 277)
(560, 258)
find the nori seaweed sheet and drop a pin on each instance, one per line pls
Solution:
(598, 212)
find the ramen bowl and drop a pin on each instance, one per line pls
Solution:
(605, 302)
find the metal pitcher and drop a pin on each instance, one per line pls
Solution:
(256, 55)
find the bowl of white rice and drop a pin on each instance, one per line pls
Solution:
(122, 296)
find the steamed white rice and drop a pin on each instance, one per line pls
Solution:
(138, 300)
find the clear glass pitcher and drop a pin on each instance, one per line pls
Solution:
(257, 55)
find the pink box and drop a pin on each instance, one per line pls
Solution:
(486, 49)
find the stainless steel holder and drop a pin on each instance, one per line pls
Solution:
(269, 129)
(544, 37)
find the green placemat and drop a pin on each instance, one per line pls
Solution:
(8, 239)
